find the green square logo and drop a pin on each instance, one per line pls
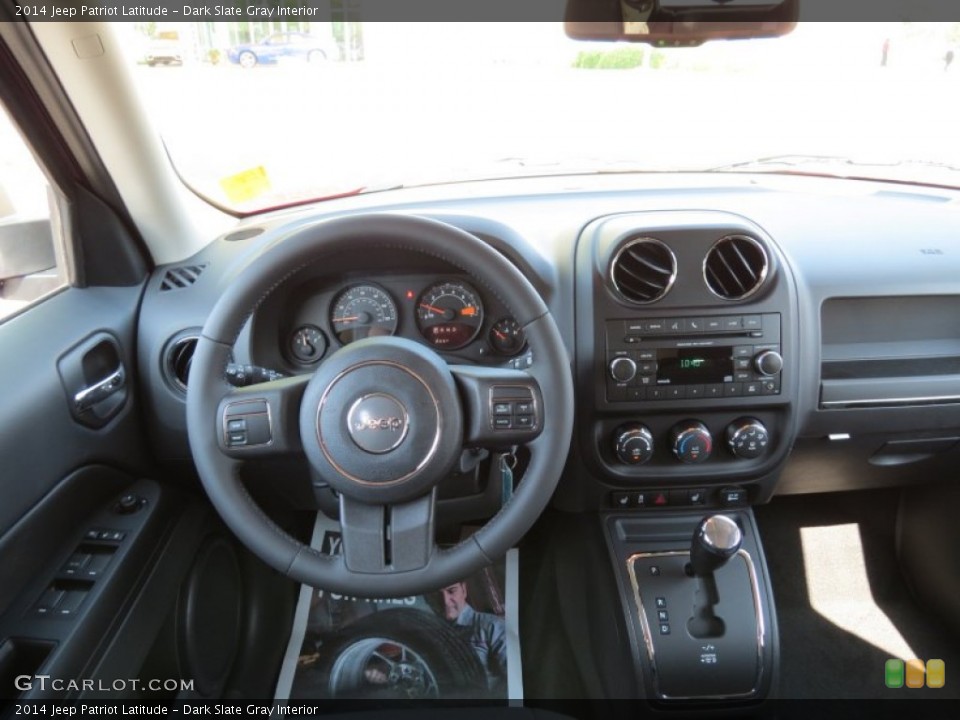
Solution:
(893, 673)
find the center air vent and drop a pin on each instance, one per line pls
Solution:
(735, 267)
(178, 360)
(643, 270)
(181, 277)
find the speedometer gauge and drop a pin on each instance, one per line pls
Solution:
(363, 311)
(449, 315)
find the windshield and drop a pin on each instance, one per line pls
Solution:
(258, 117)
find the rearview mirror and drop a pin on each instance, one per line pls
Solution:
(678, 23)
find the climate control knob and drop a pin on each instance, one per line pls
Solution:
(747, 438)
(768, 363)
(633, 444)
(623, 369)
(691, 441)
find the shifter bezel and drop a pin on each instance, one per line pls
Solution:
(668, 534)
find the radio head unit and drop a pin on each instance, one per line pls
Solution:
(690, 358)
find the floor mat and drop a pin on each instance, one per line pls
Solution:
(458, 643)
(843, 607)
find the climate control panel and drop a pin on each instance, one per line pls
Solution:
(691, 442)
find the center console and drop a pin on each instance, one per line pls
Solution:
(687, 358)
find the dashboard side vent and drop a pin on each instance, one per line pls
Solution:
(735, 267)
(643, 270)
(179, 359)
(182, 277)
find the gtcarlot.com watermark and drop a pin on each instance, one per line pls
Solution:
(120, 685)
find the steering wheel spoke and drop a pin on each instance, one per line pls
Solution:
(502, 408)
(261, 420)
(387, 538)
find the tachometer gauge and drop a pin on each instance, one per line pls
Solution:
(507, 337)
(449, 315)
(363, 311)
(307, 344)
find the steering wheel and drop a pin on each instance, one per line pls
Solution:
(383, 420)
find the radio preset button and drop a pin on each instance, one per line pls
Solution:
(733, 389)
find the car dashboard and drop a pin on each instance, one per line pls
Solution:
(726, 332)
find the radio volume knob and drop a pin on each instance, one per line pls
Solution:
(623, 369)
(633, 444)
(768, 363)
(691, 441)
(747, 438)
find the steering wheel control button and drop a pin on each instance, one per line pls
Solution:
(246, 423)
(633, 444)
(378, 423)
(519, 400)
(747, 438)
(691, 442)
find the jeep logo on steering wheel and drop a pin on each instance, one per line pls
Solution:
(373, 414)
(385, 423)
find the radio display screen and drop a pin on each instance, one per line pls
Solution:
(692, 366)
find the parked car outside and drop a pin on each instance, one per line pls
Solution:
(281, 46)
(163, 52)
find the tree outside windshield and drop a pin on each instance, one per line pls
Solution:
(258, 115)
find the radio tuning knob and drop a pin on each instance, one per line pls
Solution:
(747, 438)
(623, 369)
(691, 441)
(633, 444)
(768, 363)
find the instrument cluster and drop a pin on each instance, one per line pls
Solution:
(447, 313)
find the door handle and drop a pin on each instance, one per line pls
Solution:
(99, 391)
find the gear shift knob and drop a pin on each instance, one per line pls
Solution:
(716, 540)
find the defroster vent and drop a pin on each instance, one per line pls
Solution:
(182, 277)
(643, 270)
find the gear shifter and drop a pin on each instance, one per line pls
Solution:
(716, 540)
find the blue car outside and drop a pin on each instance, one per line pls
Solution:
(279, 46)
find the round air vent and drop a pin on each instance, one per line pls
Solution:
(643, 270)
(735, 267)
(178, 361)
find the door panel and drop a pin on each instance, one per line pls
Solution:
(43, 437)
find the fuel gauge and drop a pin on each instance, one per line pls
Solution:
(307, 344)
(507, 337)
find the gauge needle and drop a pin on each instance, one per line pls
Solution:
(431, 308)
(499, 334)
(345, 319)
